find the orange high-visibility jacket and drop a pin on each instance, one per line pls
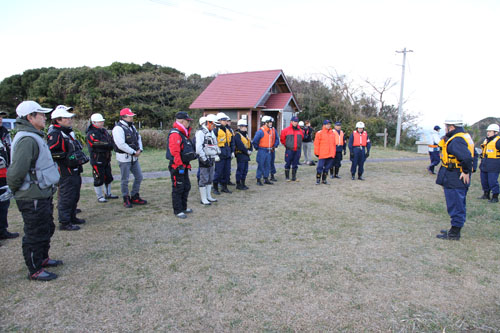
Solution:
(325, 143)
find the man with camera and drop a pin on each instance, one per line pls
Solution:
(180, 152)
(128, 147)
(68, 153)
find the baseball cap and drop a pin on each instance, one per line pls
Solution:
(338, 123)
(326, 121)
(96, 117)
(183, 115)
(294, 119)
(62, 111)
(3, 113)
(27, 107)
(437, 128)
(126, 112)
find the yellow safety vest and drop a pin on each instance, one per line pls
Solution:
(245, 140)
(224, 137)
(450, 161)
(490, 148)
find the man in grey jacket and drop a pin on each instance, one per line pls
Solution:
(128, 148)
(32, 177)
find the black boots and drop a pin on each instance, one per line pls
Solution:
(8, 235)
(353, 176)
(486, 195)
(266, 181)
(318, 178)
(331, 173)
(360, 177)
(243, 185)
(216, 188)
(452, 234)
(273, 178)
(494, 199)
(225, 189)
(240, 185)
(259, 182)
(294, 175)
(325, 174)
(126, 202)
(337, 172)
(287, 175)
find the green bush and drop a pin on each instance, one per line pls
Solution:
(152, 138)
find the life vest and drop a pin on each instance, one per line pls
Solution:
(490, 148)
(450, 161)
(224, 137)
(339, 138)
(359, 139)
(131, 137)
(269, 138)
(245, 140)
(188, 151)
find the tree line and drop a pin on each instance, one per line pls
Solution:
(156, 93)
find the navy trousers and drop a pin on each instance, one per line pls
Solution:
(241, 171)
(222, 171)
(324, 164)
(489, 182)
(292, 159)
(273, 167)
(456, 205)
(4, 211)
(434, 156)
(358, 161)
(263, 163)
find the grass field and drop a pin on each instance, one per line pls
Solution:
(351, 256)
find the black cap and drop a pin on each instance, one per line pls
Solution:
(183, 115)
(437, 128)
(338, 123)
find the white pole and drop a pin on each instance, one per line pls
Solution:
(400, 109)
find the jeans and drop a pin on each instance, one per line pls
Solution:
(125, 169)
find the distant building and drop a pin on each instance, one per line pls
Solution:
(250, 96)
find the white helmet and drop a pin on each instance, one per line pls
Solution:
(211, 117)
(242, 122)
(493, 127)
(301, 123)
(222, 116)
(202, 120)
(96, 117)
(360, 124)
(266, 119)
(454, 119)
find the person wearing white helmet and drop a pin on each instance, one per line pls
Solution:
(490, 163)
(208, 154)
(434, 149)
(264, 143)
(226, 145)
(233, 149)
(69, 155)
(100, 145)
(457, 159)
(359, 148)
(243, 150)
(34, 190)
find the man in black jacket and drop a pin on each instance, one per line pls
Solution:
(457, 158)
(100, 146)
(307, 142)
(68, 154)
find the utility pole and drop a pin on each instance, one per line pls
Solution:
(400, 109)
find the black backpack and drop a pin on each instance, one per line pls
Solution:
(188, 151)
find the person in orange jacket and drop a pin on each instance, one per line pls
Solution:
(324, 148)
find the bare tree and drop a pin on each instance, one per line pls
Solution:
(380, 91)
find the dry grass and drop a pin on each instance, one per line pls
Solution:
(352, 256)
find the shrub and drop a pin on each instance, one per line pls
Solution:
(152, 138)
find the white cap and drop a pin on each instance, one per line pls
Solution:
(61, 111)
(360, 124)
(266, 119)
(222, 116)
(27, 107)
(242, 122)
(96, 117)
(202, 120)
(211, 117)
(493, 127)
(454, 119)
(301, 123)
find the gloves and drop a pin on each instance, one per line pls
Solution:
(249, 152)
(232, 155)
(367, 154)
(316, 155)
(7, 195)
(217, 158)
(180, 169)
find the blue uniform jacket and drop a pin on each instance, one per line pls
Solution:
(458, 147)
(491, 164)
(241, 157)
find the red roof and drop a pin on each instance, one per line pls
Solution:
(278, 101)
(236, 90)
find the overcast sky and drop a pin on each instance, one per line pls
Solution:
(454, 66)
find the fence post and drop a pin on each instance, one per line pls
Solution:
(385, 138)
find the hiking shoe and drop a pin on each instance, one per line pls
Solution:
(225, 189)
(111, 196)
(353, 178)
(78, 210)
(230, 183)
(126, 202)
(137, 200)
(181, 215)
(69, 227)
(8, 235)
(266, 181)
(78, 221)
(42, 275)
(259, 182)
(449, 236)
(51, 263)
(188, 211)
(361, 178)
(273, 179)
(102, 200)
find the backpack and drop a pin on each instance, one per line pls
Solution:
(188, 151)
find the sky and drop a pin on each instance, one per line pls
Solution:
(453, 68)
